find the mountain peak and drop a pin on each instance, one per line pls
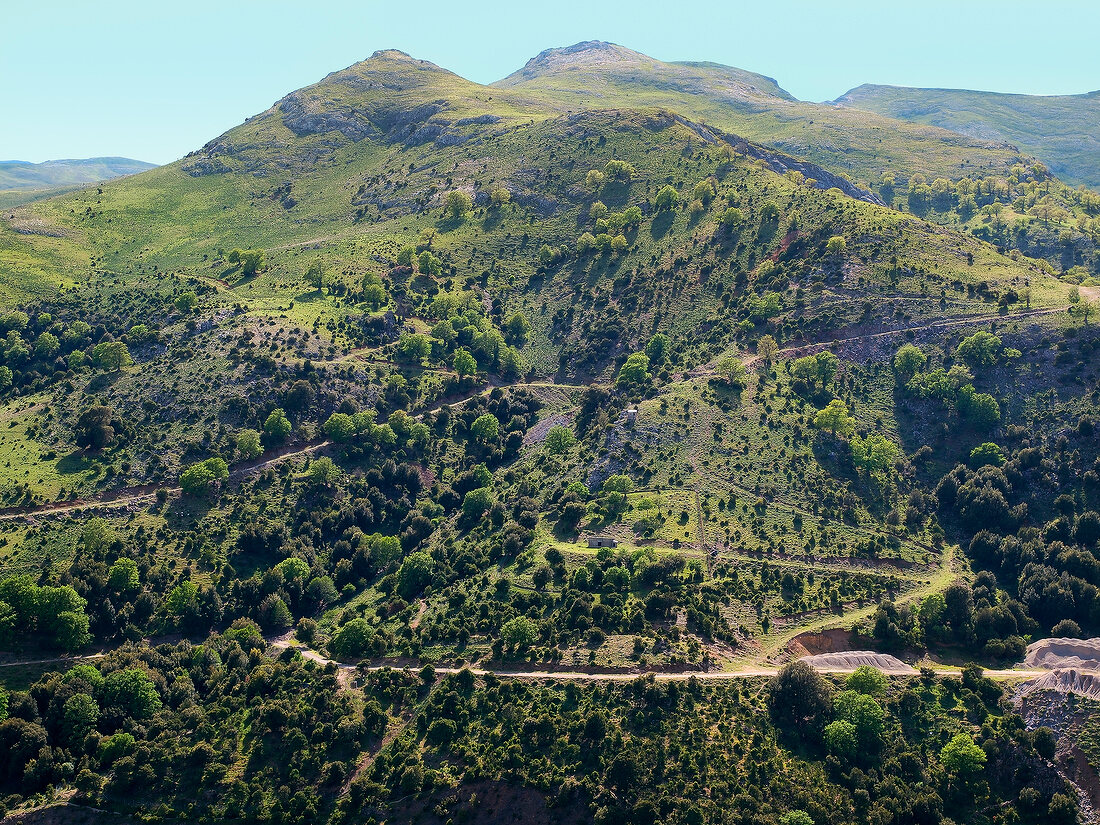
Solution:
(584, 54)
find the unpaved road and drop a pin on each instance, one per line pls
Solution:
(284, 643)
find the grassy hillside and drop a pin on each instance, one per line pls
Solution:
(52, 174)
(1060, 130)
(860, 144)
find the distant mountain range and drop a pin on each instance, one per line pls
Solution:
(22, 181)
(1061, 130)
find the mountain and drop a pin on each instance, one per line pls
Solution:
(861, 144)
(22, 182)
(577, 422)
(1060, 130)
(17, 174)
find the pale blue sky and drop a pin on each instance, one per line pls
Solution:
(154, 79)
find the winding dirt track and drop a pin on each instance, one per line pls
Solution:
(283, 643)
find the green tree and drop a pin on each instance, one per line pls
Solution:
(798, 698)
(248, 444)
(836, 246)
(353, 640)
(864, 713)
(619, 170)
(961, 757)
(766, 349)
(594, 179)
(486, 428)
(979, 408)
(429, 264)
(132, 693)
(657, 348)
(980, 349)
(339, 427)
(840, 738)
(519, 633)
(464, 362)
(667, 198)
(277, 426)
(315, 275)
(732, 219)
(414, 574)
(634, 371)
(476, 502)
(731, 369)
(71, 630)
(47, 345)
(986, 453)
(80, 714)
(406, 255)
(252, 261)
(835, 418)
(415, 346)
(499, 197)
(704, 192)
(874, 454)
(197, 479)
(123, 576)
(457, 204)
(908, 361)
(867, 680)
(321, 590)
(821, 367)
(187, 301)
(323, 472)
(559, 439)
(518, 328)
(111, 356)
(6, 377)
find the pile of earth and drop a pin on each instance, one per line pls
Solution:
(1064, 654)
(850, 660)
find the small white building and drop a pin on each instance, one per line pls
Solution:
(602, 541)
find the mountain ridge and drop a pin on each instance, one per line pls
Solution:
(1059, 129)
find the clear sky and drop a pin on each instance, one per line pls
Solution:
(154, 79)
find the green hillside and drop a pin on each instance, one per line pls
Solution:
(1060, 130)
(860, 144)
(22, 182)
(55, 173)
(427, 451)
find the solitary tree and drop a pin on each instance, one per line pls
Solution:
(486, 428)
(835, 418)
(248, 444)
(277, 426)
(908, 361)
(766, 348)
(667, 198)
(731, 369)
(111, 355)
(95, 428)
(559, 439)
(458, 204)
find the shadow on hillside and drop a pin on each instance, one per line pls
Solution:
(75, 462)
(662, 223)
